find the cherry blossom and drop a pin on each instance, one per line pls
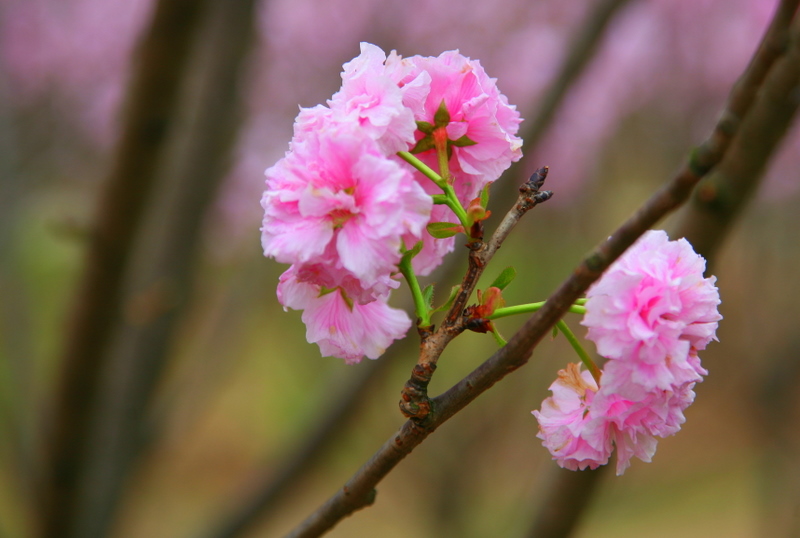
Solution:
(651, 308)
(336, 197)
(564, 418)
(345, 320)
(376, 101)
(649, 314)
(479, 117)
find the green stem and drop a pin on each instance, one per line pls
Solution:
(577, 308)
(455, 206)
(449, 197)
(420, 306)
(576, 345)
(424, 168)
(532, 307)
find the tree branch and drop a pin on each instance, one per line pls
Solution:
(581, 51)
(359, 490)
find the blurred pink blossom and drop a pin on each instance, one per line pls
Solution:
(79, 50)
(672, 59)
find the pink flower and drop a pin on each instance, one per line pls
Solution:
(478, 112)
(581, 424)
(649, 315)
(433, 250)
(375, 102)
(335, 198)
(336, 318)
(651, 308)
(564, 422)
(634, 424)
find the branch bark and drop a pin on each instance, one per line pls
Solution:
(359, 490)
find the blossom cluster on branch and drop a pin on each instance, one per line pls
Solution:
(376, 185)
(650, 314)
(342, 208)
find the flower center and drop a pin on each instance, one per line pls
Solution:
(339, 217)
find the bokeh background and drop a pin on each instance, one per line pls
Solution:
(240, 388)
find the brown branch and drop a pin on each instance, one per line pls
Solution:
(262, 498)
(566, 495)
(359, 490)
(581, 49)
(148, 118)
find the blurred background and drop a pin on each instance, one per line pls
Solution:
(187, 429)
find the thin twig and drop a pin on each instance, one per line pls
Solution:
(148, 118)
(414, 402)
(359, 490)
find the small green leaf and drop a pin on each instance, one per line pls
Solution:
(485, 195)
(453, 292)
(408, 255)
(325, 291)
(555, 331)
(424, 144)
(416, 248)
(427, 294)
(463, 142)
(442, 117)
(425, 127)
(442, 230)
(505, 278)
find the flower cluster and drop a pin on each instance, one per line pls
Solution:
(341, 207)
(649, 315)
